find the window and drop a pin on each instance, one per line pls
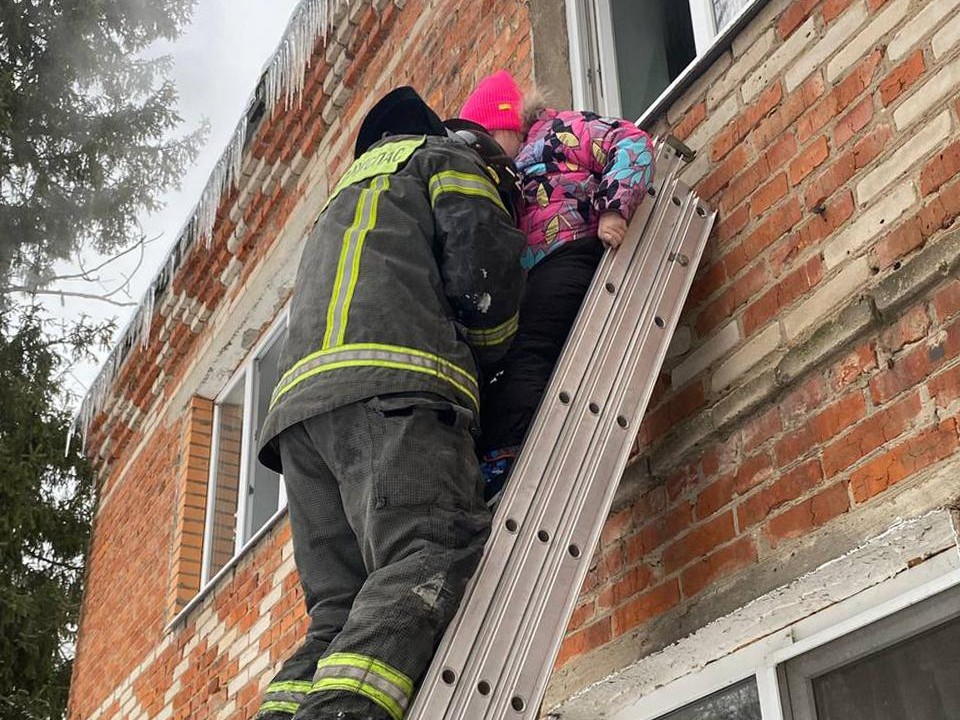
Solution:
(242, 495)
(625, 53)
(738, 702)
(904, 666)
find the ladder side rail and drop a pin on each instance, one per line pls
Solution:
(598, 440)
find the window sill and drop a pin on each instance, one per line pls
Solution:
(211, 585)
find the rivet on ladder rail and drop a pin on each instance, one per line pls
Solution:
(594, 408)
(621, 421)
(574, 550)
(449, 676)
(511, 525)
(683, 260)
(517, 703)
(610, 288)
(483, 687)
(658, 321)
(676, 201)
(565, 397)
(543, 536)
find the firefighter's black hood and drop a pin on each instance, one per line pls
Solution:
(399, 112)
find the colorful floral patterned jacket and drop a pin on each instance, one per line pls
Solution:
(575, 166)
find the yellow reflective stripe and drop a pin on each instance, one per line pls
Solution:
(363, 218)
(366, 662)
(379, 186)
(463, 184)
(485, 337)
(273, 706)
(376, 363)
(361, 688)
(301, 686)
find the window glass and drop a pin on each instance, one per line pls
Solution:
(654, 44)
(917, 678)
(726, 10)
(228, 439)
(737, 702)
(264, 486)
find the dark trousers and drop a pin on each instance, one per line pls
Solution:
(388, 524)
(554, 291)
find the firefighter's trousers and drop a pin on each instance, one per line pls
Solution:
(388, 524)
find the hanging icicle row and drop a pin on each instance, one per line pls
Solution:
(284, 78)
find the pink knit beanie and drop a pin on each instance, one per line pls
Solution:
(495, 104)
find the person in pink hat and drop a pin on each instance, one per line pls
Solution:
(582, 177)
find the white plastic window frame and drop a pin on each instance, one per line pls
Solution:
(763, 658)
(247, 375)
(592, 46)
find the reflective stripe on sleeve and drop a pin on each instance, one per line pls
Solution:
(462, 183)
(377, 355)
(487, 337)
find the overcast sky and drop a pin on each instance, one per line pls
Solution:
(217, 63)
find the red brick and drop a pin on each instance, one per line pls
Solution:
(662, 529)
(761, 428)
(838, 99)
(741, 290)
(786, 488)
(793, 17)
(782, 294)
(583, 641)
(840, 171)
(645, 607)
(698, 542)
(739, 128)
(853, 122)
(836, 211)
(801, 402)
(617, 526)
(707, 282)
(881, 427)
(832, 9)
(906, 372)
(679, 406)
(875, 5)
(768, 194)
(751, 473)
(720, 564)
(942, 167)
(621, 590)
(904, 460)
(945, 388)
(691, 120)
(900, 241)
(946, 301)
(820, 428)
(744, 184)
(808, 515)
(902, 77)
(809, 160)
(909, 327)
(775, 226)
(792, 107)
(719, 178)
(854, 364)
(732, 224)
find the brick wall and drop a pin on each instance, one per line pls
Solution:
(818, 379)
(814, 385)
(152, 439)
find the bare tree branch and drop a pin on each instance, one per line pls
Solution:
(68, 293)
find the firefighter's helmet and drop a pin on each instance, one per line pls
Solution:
(500, 166)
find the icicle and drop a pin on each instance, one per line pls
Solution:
(285, 76)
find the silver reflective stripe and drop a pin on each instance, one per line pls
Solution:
(367, 677)
(286, 696)
(376, 355)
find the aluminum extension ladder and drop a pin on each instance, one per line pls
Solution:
(495, 658)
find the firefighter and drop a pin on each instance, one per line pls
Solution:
(408, 285)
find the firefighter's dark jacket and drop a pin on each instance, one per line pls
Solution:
(409, 278)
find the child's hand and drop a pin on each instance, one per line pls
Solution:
(612, 228)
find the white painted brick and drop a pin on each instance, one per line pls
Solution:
(695, 171)
(782, 57)
(764, 20)
(258, 667)
(709, 352)
(918, 145)
(861, 45)
(746, 357)
(165, 714)
(237, 682)
(698, 89)
(827, 298)
(745, 63)
(681, 342)
(925, 21)
(869, 224)
(230, 272)
(714, 122)
(270, 599)
(928, 95)
(259, 629)
(227, 710)
(834, 39)
(946, 38)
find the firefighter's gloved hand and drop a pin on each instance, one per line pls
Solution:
(612, 228)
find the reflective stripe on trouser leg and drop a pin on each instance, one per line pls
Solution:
(284, 696)
(375, 680)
